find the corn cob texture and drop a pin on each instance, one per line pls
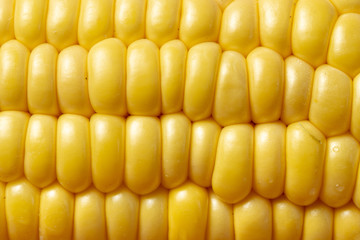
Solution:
(179, 119)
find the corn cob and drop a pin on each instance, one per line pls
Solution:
(184, 69)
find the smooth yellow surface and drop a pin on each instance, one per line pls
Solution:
(200, 21)
(3, 224)
(347, 222)
(142, 154)
(14, 58)
(162, 20)
(56, 213)
(266, 84)
(346, 6)
(341, 165)
(107, 135)
(172, 67)
(89, 215)
(129, 20)
(40, 150)
(176, 132)
(231, 101)
(330, 106)
(188, 212)
(62, 23)
(106, 69)
(73, 165)
(344, 48)
(6, 20)
(96, 21)
(30, 21)
(223, 3)
(275, 21)
(41, 82)
(297, 90)
(269, 159)
(318, 222)
(287, 219)
(240, 27)
(201, 74)
(305, 154)
(122, 214)
(220, 223)
(72, 84)
(13, 127)
(355, 113)
(312, 26)
(153, 216)
(233, 170)
(22, 210)
(204, 140)
(253, 218)
(143, 96)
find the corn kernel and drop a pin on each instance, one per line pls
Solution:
(231, 101)
(22, 210)
(275, 21)
(240, 27)
(269, 159)
(305, 153)
(30, 21)
(12, 138)
(312, 26)
(203, 146)
(344, 48)
(172, 66)
(341, 164)
(14, 58)
(287, 219)
(220, 223)
(142, 154)
(318, 222)
(89, 215)
(40, 150)
(153, 216)
(355, 113)
(143, 95)
(188, 210)
(122, 214)
(200, 21)
(107, 135)
(347, 222)
(56, 213)
(129, 20)
(96, 21)
(62, 23)
(41, 85)
(73, 166)
(201, 72)
(176, 131)
(6, 20)
(233, 170)
(297, 90)
(72, 84)
(106, 67)
(266, 84)
(330, 106)
(162, 20)
(253, 218)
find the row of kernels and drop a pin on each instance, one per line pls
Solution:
(310, 30)
(145, 152)
(189, 211)
(143, 80)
